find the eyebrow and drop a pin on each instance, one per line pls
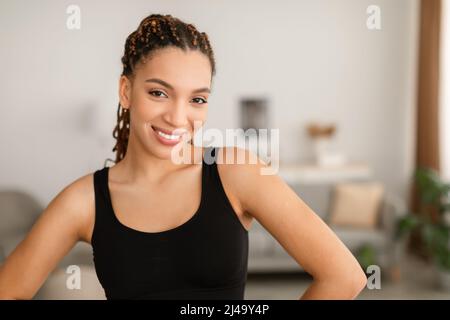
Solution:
(165, 84)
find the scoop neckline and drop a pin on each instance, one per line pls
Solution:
(178, 228)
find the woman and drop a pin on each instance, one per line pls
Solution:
(161, 229)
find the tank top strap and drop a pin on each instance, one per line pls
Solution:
(102, 212)
(217, 201)
(213, 177)
(100, 187)
(209, 170)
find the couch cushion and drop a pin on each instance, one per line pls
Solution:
(356, 204)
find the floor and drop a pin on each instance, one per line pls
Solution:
(417, 280)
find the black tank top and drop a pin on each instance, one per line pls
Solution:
(204, 258)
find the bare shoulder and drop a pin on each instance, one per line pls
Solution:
(236, 165)
(248, 178)
(77, 201)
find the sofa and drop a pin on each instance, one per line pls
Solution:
(267, 255)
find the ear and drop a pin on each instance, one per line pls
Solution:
(124, 92)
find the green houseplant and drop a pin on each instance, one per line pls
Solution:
(431, 221)
(366, 256)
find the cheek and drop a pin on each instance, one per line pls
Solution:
(198, 119)
(146, 109)
(142, 115)
(139, 98)
(199, 114)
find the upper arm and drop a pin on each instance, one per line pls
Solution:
(301, 232)
(64, 221)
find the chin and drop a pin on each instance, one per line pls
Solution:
(166, 153)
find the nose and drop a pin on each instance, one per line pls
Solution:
(177, 115)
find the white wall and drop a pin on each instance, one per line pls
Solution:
(314, 60)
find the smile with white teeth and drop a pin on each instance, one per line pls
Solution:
(168, 136)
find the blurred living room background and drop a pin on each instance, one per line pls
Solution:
(356, 88)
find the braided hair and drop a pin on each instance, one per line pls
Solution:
(155, 32)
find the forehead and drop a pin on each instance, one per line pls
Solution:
(177, 67)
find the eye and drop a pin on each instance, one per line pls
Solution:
(156, 93)
(202, 101)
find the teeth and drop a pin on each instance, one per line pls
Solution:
(168, 136)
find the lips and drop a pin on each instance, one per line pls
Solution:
(169, 137)
(177, 132)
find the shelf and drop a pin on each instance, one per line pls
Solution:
(313, 174)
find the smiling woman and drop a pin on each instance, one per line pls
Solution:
(161, 230)
(163, 46)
